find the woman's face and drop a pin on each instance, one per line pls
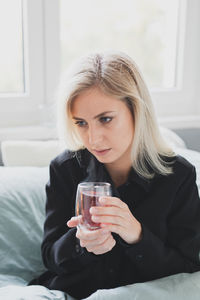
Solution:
(105, 126)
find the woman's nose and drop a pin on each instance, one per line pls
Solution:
(94, 136)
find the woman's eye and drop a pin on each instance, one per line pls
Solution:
(81, 123)
(105, 119)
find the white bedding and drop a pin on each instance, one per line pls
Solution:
(177, 287)
(22, 203)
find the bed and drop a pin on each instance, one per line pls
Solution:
(22, 212)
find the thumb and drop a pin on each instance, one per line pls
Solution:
(74, 221)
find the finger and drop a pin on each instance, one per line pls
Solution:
(104, 247)
(74, 221)
(107, 210)
(112, 201)
(116, 220)
(90, 235)
(131, 236)
(94, 243)
(112, 228)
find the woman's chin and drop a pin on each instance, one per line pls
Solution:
(105, 160)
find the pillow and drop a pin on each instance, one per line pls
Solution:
(175, 287)
(22, 214)
(32, 292)
(30, 153)
(194, 158)
(173, 139)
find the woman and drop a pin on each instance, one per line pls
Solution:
(150, 227)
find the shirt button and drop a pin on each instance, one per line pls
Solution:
(77, 248)
(139, 257)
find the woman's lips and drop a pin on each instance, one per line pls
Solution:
(101, 152)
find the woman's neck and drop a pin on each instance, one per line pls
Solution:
(118, 174)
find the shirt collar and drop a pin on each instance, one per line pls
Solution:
(96, 171)
(141, 181)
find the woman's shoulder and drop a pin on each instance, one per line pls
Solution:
(182, 164)
(63, 157)
(182, 171)
(181, 167)
(67, 157)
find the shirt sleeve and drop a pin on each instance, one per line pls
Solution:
(180, 252)
(61, 251)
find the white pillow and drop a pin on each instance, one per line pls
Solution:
(173, 139)
(194, 158)
(29, 153)
(22, 214)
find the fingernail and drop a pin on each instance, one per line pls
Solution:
(102, 200)
(95, 218)
(92, 210)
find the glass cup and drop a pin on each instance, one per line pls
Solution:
(87, 195)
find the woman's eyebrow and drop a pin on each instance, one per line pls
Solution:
(97, 116)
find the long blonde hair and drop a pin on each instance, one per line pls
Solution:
(116, 74)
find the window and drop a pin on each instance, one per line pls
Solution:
(22, 62)
(11, 58)
(145, 29)
(40, 38)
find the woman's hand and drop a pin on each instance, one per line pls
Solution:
(96, 241)
(115, 216)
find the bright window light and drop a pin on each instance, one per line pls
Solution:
(147, 30)
(11, 58)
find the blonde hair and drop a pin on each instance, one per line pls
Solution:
(116, 74)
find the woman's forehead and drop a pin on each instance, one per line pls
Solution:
(94, 102)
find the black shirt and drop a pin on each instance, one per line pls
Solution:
(168, 208)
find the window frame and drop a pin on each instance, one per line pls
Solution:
(179, 107)
(42, 66)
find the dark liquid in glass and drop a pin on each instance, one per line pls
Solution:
(87, 202)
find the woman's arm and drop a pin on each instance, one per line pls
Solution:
(61, 250)
(152, 256)
(180, 252)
